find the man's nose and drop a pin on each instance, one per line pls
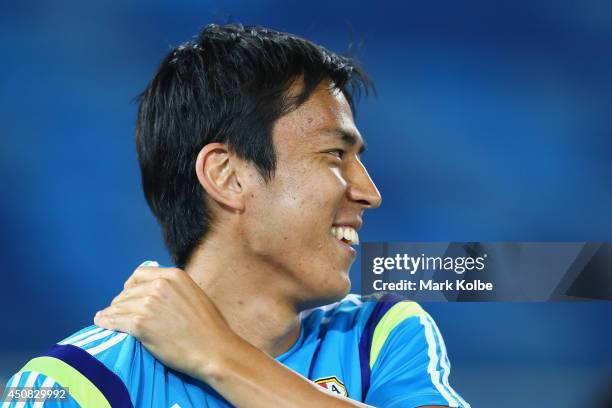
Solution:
(362, 189)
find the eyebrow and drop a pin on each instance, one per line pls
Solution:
(349, 138)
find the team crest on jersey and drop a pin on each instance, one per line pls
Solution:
(333, 384)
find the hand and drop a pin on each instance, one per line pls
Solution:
(172, 317)
(175, 320)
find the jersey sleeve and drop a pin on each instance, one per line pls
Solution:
(408, 361)
(77, 365)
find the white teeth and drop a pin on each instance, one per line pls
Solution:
(347, 233)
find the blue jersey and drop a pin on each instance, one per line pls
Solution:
(387, 354)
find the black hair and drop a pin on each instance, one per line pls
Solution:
(229, 85)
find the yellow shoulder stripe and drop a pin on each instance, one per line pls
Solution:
(83, 391)
(393, 317)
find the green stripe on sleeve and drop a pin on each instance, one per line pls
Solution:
(79, 387)
(394, 316)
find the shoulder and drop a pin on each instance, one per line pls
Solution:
(115, 350)
(402, 356)
(406, 361)
(368, 319)
(374, 321)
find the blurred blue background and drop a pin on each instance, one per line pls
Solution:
(492, 123)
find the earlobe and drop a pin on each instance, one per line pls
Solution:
(217, 173)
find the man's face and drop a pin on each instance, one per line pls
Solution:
(317, 196)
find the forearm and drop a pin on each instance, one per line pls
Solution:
(247, 377)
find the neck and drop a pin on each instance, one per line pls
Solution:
(251, 295)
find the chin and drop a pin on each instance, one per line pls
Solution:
(329, 292)
(327, 287)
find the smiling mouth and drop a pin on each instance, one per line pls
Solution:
(348, 235)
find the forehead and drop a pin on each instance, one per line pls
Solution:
(326, 109)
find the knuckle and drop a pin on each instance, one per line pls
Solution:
(160, 286)
(149, 300)
(138, 324)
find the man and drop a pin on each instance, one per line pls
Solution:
(250, 161)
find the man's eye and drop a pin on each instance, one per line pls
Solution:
(339, 153)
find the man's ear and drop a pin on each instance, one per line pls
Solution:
(216, 169)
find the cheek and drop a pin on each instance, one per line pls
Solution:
(309, 208)
(322, 186)
(315, 197)
(297, 209)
